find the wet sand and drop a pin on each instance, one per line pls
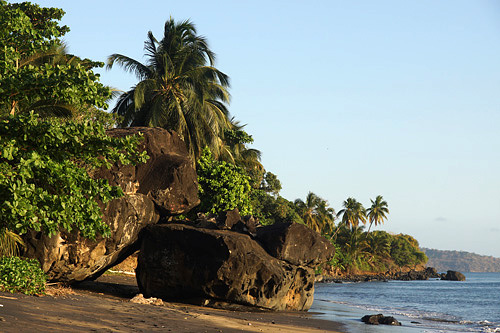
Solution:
(104, 306)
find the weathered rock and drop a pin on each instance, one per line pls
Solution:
(227, 219)
(168, 178)
(295, 243)
(432, 272)
(165, 184)
(453, 276)
(380, 319)
(70, 258)
(178, 261)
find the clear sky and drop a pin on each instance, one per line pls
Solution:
(348, 98)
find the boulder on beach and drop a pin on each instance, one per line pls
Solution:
(295, 243)
(453, 276)
(182, 262)
(380, 319)
(165, 185)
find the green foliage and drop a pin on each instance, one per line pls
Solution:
(376, 251)
(270, 209)
(30, 76)
(235, 150)
(21, 276)
(271, 183)
(45, 174)
(405, 251)
(236, 136)
(222, 186)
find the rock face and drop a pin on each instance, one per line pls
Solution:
(164, 185)
(295, 244)
(178, 261)
(429, 272)
(168, 177)
(453, 276)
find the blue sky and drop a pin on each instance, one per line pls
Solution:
(349, 98)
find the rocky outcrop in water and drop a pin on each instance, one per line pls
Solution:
(165, 185)
(182, 262)
(453, 276)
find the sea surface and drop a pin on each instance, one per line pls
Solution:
(421, 306)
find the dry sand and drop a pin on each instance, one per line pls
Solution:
(104, 306)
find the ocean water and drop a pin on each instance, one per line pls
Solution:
(421, 306)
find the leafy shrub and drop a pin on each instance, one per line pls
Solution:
(45, 174)
(222, 186)
(21, 275)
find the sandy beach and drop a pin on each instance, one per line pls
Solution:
(104, 306)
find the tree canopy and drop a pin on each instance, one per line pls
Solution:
(35, 71)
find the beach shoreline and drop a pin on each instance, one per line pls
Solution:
(104, 306)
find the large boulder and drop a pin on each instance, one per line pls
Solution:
(165, 185)
(295, 243)
(68, 257)
(182, 262)
(168, 178)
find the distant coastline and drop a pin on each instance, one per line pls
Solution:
(461, 261)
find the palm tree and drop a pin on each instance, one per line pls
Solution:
(316, 214)
(179, 88)
(378, 211)
(353, 213)
(10, 243)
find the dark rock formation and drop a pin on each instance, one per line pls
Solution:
(295, 243)
(453, 276)
(429, 272)
(177, 261)
(432, 272)
(380, 319)
(168, 178)
(165, 185)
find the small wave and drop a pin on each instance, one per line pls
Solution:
(485, 325)
(440, 320)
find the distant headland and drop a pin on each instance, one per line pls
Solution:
(461, 261)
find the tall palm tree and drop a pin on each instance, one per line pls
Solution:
(352, 213)
(316, 214)
(378, 211)
(179, 88)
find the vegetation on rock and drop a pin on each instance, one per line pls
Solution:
(45, 178)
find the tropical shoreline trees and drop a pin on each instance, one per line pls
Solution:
(179, 89)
